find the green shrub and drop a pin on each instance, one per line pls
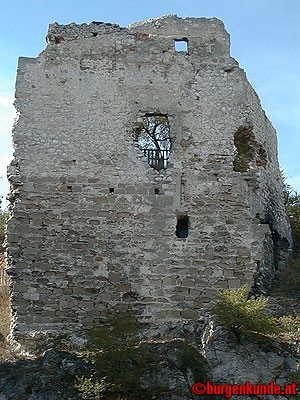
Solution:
(119, 360)
(289, 327)
(96, 389)
(250, 318)
(242, 315)
(61, 342)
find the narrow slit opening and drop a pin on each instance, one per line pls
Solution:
(182, 227)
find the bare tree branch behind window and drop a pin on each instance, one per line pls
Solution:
(153, 133)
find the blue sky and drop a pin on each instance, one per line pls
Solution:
(265, 37)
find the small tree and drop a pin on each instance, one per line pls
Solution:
(119, 359)
(242, 315)
(250, 317)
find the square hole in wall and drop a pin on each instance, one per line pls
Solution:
(111, 190)
(181, 45)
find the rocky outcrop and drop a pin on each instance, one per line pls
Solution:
(50, 377)
(235, 362)
(212, 354)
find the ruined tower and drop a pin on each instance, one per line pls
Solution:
(144, 176)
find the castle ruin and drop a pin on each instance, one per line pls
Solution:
(145, 175)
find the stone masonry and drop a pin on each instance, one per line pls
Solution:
(93, 225)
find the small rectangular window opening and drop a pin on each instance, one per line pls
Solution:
(111, 190)
(182, 227)
(181, 45)
(156, 191)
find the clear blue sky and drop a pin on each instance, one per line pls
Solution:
(265, 38)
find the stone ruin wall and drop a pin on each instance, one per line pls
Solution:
(93, 225)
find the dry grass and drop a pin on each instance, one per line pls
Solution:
(4, 311)
(4, 302)
(7, 352)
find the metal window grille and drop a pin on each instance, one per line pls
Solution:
(157, 159)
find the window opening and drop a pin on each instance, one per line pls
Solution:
(111, 190)
(153, 135)
(182, 227)
(156, 191)
(244, 149)
(181, 45)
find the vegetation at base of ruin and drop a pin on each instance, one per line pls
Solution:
(249, 317)
(123, 361)
(60, 342)
(241, 315)
(119, 359)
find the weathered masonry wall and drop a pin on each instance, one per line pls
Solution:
(93, 226)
